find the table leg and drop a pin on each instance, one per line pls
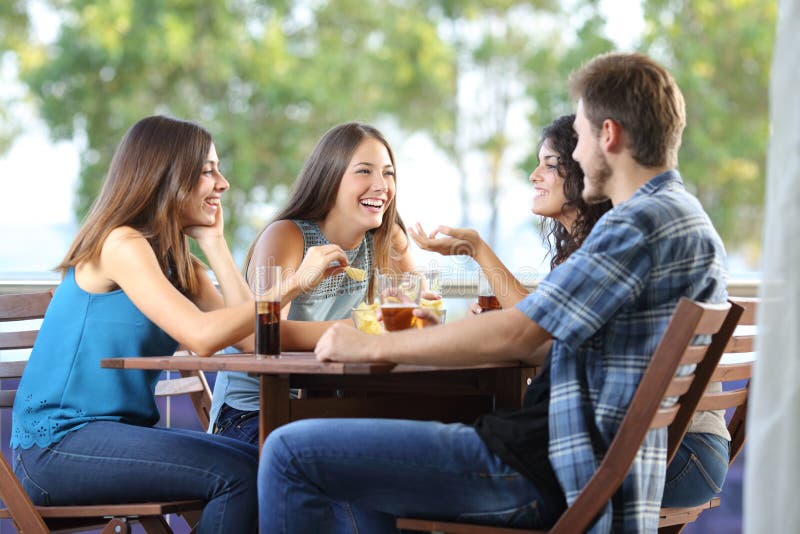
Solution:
(273, 404)
(510, 387)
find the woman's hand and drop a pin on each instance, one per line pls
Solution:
(454, 241)
(207, 233)
(319, 263)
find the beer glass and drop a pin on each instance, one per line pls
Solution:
(267, 291)
(399, 295)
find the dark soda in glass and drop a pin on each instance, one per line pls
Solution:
(268, 328)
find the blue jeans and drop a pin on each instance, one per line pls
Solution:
(107, 462)
(237, 424)
(698, 470)
(380, 469)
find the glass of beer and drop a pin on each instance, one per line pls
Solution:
(399, 296)
(486, 298)
(267, 292)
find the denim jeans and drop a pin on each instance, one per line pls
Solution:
(698, 470)
(237, 424)
(108, 462)
(380, 469)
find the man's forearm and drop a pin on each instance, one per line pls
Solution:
(490, 337)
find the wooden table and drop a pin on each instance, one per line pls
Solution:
(359, 389)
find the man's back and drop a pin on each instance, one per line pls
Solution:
(606, 308)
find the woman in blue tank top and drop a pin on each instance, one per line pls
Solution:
(341, 212)
(131, 287)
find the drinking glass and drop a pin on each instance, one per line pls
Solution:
(486, 298)
(399, 295)
(267, 291)
(434, 279)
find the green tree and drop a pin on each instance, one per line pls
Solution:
(266, 79)
(558, 53)
(14, 36)
(490, 39)
(720, 54)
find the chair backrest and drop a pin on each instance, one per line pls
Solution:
(652, 406)
(30, 306)
(736, 365)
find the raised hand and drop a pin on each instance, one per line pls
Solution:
(448, 241)
(319, 263)
(203, 233)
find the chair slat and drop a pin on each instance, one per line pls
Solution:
(679, 386)
(17, 340)
(722, 400)
(713, 317)
(7, 398)
(664, 416)
(12, 368)
(427, 525)
(741, 344)
(694, 354)
(24, 306)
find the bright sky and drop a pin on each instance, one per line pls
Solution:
(40, 178)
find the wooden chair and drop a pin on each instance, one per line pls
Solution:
(113, 518)
(645, 412)
(735, 365)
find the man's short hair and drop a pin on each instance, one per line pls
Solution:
(641, 96)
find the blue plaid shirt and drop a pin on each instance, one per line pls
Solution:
(606, 308)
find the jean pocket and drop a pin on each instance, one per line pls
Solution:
(716, 488)
(526, 516)
(38, 494)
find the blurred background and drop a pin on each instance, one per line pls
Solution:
(461, 88)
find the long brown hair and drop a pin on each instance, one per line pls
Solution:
(315, 189)
(154, 169)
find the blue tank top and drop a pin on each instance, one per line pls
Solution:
(332, 299)
(64, 387)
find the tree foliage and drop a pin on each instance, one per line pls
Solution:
(267, 79)
(14, 35)
(720, 54)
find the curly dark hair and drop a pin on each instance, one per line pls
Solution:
(560, 241)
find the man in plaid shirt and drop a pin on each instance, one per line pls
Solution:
(605, 310)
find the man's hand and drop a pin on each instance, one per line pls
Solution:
(343, 343)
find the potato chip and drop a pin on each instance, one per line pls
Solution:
(435, 304)
(364, 306)
(359, 275)
(366, 320)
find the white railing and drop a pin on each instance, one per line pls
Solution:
(450, 288)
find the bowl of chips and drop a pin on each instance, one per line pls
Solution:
(365, 318)
(436, 306)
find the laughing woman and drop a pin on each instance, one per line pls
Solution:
(341, 213)
(131, 287)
